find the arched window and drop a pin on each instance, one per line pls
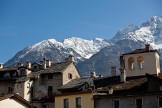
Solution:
(140, 62)
(131, 63)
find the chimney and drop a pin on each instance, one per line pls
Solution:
(48, 63)
(122, 75)
(70, 58)
(28, 65)
(100, 75)
(19, 65)
(147, 47)
(44, 63)
(1, 66)
(122, 64)
(110, 90)
(93, 74)
(113, 71)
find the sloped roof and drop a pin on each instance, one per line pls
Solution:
(8, 69)
(54, 68)
(96, 82)
(140, 51)
(77, 83)
(19, 98)
(127, 85)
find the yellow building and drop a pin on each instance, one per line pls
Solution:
(76, 94)
(75, 100)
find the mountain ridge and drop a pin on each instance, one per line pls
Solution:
(96, 54)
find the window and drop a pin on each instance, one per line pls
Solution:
(50, 76)
(66, 103)
(139, 103)
(10, 89)
(78, 102)
(160, 102)
(116, 103)
(70, 76)
(23, 72)
(7, 74)
(14, 74)
(35, 67)
(50, 89)
(131, 63)
(45, 106)
(140, 62)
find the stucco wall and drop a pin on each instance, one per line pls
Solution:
(11, 103)
(72, 70)
(151, 64)
(86, 100)
(127, 102)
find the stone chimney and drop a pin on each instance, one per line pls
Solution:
(48, 63)
(100, 76)
(122, 75)
(44, 63)
(19, 65)
(70, 58)
(28, 65)
(1, 66)
(122, 63)
(147, 47)
(93, 74)
(110, 90)
(113, 71)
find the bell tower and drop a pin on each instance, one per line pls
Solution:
(141, 61)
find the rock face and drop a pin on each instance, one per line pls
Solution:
(97, 54)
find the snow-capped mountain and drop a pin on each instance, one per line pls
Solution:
(126, 39)
(97, 54)
(57, 51)
(148, 32)
(86, 48)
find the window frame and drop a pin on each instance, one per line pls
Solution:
(70, 76)
(80, 102)
(159, 102)
(10, 89)
(49, 91)
(136, 102)
(114, 101)
(65, 104)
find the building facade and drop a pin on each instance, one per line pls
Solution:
(38, 82)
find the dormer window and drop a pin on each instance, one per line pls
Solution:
(23, 72)
(131, 63)
(35, 67)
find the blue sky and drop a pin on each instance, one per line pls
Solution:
(25, 22)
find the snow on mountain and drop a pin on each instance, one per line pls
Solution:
(86, 48)
(96, 54)
(57, 51)
(148, 32)
(126, 39)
